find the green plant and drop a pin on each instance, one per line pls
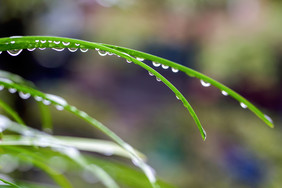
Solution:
(69, 149)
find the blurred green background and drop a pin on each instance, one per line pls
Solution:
(237, 42)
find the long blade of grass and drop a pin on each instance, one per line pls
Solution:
(11, 112)
(9, 183)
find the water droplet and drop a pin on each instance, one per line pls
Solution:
(46, 102)
(12, 90)
(151, 74)
(83, 114)
(97, 49)
(50, 41)
(13, 42)
(243, 105)
(140, 59)
(31, 49)
(224, 93)
(205, 134)
(57, 99)
(165, 66)
(37, 98)
(14, 52)
(24, 95)
(158, 79)
(72, 49)
(66, 43)
(43, 41)
(59, 107)
(13, 37)
(57, 42)
(128, 61)
(205, 84)
(0, 52)
(1, 87)
(177, 97)
(268, 118)
(42, 48)
(110, 53)
(6, 80)
(156, 64)
(73, 109)
(174, 70)
(58, 49)
(36, 40)
(102, 53)
(77, 44)
(83, 49)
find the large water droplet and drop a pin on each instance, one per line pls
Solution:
(174, 70)
(205, 84)
(83, 49)
(156, 64)
(140, 59)
(151, 74)
(102, 53)
(31, 49)
(58, 49)
(268, 118)
(37, 98)
(24, 95)
(165, 66)
(66, 43)
(12, 90)
(224, 93)
(158, 79)
(46, 102)
(14, 52)
(72, 49)
(243, 105)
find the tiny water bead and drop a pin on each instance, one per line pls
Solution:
(43, 41)
(83, 50)
(37, 98)
(72, 49)
(50, 41)
(268, 118)
(31, 49)
(243, 105)
(102, 53)
(0, 52)
(46, 102)
(24, 95)
(177, 97)
(57, 42)
(57, 99)
(58, 49)
(151, 74)
(128, 61)
(165, 66)
(158, 79)
(14, 52)
(1, 87)
(140, 59)
(59, 107)
(36, 40)
(156, 64)
(13, 42)
(83, 114)
(205, 84)
(174, 70)
(66, 43)
(77, 44)
(43, 48)
(224, 93)
(12, 90)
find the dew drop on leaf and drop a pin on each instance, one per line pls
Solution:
(58, 49)
(57, 42)
(0, 52)
(46, 102)
(205, 84)
(50, 41)
(31, 49)
(1, 87)
(14, 52)
(140, 59)
(151, 74)
(156, 64)
(36, 40)
(128, 61)
(24, 95)
(43, 41)
(66, 43)
(174, 70)
(37, 98)
(13, 42)
(42, 48)
(158, 79)
(268, 118)
(72, 49)
(102, 53)
(77, 44)
(12, 90)
(59, 107)
(224, 93)
(83, 49)
(165, 66)
(243, 105)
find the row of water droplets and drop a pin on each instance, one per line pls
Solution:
(243, 105)
(60, 102)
